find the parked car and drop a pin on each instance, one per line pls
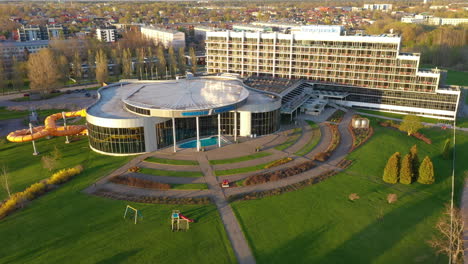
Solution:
(87, 94)
(25, 95)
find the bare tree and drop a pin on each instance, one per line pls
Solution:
(91, 65)
(64, 68)
(102, 72)
(5, 183)
(172, 62)
(49, 162)
(193, 60)
(3, 83)
(181, 61)
(43, 72)
(17, 75)
(161, 62)
(450, 238)
(77, 69)
(127, 63)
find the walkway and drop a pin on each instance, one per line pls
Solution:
(220, 195)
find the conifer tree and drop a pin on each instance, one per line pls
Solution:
(426, 171)
(406, 170)
(392, 169)
(414, 160)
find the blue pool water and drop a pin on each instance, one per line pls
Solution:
(203, 142)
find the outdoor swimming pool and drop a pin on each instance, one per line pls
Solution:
(203, 142)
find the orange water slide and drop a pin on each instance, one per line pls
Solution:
(50, 128)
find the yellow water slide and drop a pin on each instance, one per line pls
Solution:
(50, 128)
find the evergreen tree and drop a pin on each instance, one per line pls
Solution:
(392, 169)
(406, 170)
(414, 160)
(426, 171)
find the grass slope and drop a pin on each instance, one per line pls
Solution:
(314, 140)
(319, 224)
(7, 114)
(68, 226)
(243, 170)
(292, 138)
(171, 173)
(239, 159)
(171, 161)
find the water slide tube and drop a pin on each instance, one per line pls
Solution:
(186, 218)
(50, 128)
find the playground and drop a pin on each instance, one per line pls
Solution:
(317, 223)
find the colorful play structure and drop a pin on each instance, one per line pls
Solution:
(50, 128)
(179, 221)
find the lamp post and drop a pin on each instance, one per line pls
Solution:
(35, 153)
(65, 125)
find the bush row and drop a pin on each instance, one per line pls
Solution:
(278, 162)
(280, 190)
(335, 141)
(151, 199)
(279, 174)
(19, 199)
(418, 135)
(138, 182)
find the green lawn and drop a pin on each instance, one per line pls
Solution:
(318, 224)
(239, 159)
(8, 114)
(171, 161)
(68, 226)
(190, 186)
(243, 170)
(171, 173)
(292, 138)
(457, 78)
(401, 116)
(316, 135)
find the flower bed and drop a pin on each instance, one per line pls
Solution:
(134, 169)
(278, 162)
(279, 174)
(280, 190)
(138, 182)
(337, 116)
(360, 135)
(335, 141)
(151, 199)
(19, 199)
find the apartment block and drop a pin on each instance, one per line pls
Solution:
(35, 33)
(167, 37)
(106, 34)
(367, 71)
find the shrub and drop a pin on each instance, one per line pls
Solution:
(138, 182)
(406, 170)
(446, 149)
(411, 124)
(134, 169)
(426, 171)
(64, 175)
(35, 190)
(278, 162)
(353, 196)
(322, 156)
(392, 169)
(15, 201)
(49, 163)
(279, 174)
(392, 198)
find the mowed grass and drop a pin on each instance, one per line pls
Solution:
(190, 186)
(243, 169)
(314, 140)
(68, 226)
(8, 114)
(240, 159)
(171, 161)
(319, 224)
(457, 78)
(401, 116)
(292, 138)
(171, 173)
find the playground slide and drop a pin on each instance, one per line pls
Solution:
(186, 218)
(50, 128)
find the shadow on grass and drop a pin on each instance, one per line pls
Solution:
(120, 257)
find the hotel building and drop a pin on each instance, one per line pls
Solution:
(355, 71)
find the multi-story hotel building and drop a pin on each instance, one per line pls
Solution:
(367, 71)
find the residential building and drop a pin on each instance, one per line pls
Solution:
(382, 7)
(48, 32)
(106, 34)
(367, 71)
(167, 37)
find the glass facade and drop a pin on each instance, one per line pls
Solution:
(265, 123)
(117, 140)
(187, 128)
(137, 110)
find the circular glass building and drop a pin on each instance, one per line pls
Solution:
(142, 116)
